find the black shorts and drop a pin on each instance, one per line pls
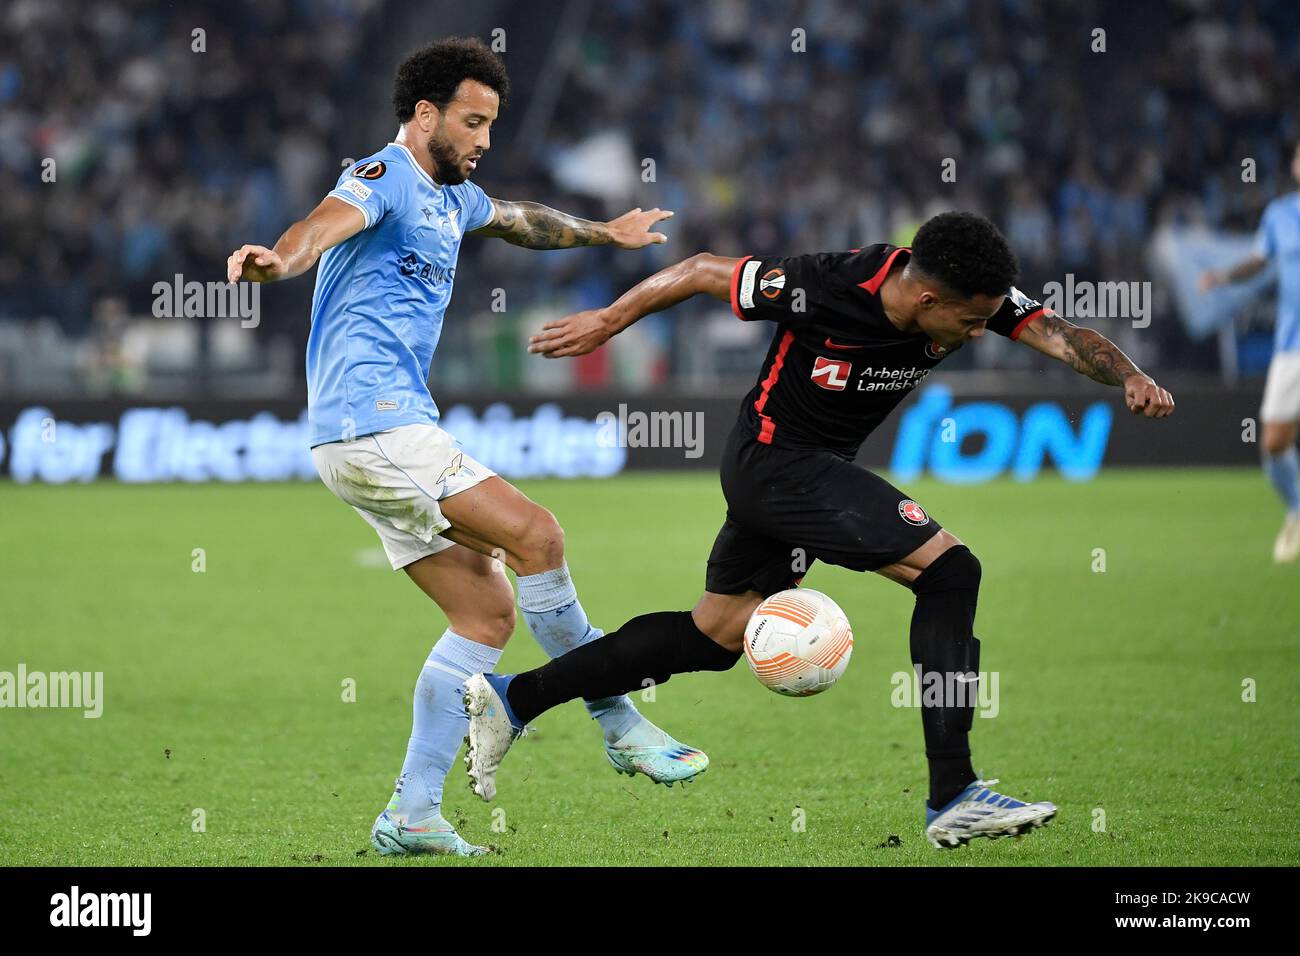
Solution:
(787, 508)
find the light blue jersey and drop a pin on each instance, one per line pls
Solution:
(376, 315)
(1278, 240)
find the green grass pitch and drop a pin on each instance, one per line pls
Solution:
(1121, 692)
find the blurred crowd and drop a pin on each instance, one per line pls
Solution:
(138, 141)
(1079, 127)
(769, 126)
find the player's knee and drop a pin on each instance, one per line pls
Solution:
(716, 644)
(1277, 440)
(728, 635)
(492, 624)
(503, 621)
(541, 547)
(957, 569)
(723, 620)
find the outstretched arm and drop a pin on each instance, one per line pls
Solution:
(585, 332)
(1243, 270)
(301, 245)
(535, 226)
(1092, 354)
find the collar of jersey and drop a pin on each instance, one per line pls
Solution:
(418, 168)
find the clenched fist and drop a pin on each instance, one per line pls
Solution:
(1144, 397)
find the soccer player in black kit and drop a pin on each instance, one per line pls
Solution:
(855, 333)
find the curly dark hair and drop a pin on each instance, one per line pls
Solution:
(434, 72)
(966, 254)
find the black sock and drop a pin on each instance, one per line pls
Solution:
(651, 647)
(943, 644)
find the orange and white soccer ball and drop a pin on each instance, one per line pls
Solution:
(798, 642)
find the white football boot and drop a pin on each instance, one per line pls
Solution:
(1287, 546)
(491, 732)
(493, 727)
(980, 812)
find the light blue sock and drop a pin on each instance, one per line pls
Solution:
(439, 724)
(1282, 471)
(559, 624)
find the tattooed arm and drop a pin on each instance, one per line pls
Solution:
(1087, 352)
(1092, 354)
(535, 226)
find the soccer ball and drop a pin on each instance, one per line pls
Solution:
(798, 642)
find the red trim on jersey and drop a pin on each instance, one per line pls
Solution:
(735, 288)
(769, 426)
(873, 284)
(1020, 326)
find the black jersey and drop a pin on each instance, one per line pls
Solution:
(837, 366)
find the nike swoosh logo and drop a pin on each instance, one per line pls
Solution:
(832, 345)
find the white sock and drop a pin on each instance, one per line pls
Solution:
(559, 624)
(438, 725)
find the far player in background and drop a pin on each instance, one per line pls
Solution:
(387, 238)
(1278, 240)
(855, 333)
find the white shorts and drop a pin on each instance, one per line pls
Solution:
(395, 479)
(1282, 389)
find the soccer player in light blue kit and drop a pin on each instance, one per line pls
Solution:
(387, 238)
(1278, 240)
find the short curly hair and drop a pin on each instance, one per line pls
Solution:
(435, 71)
(966, 254)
